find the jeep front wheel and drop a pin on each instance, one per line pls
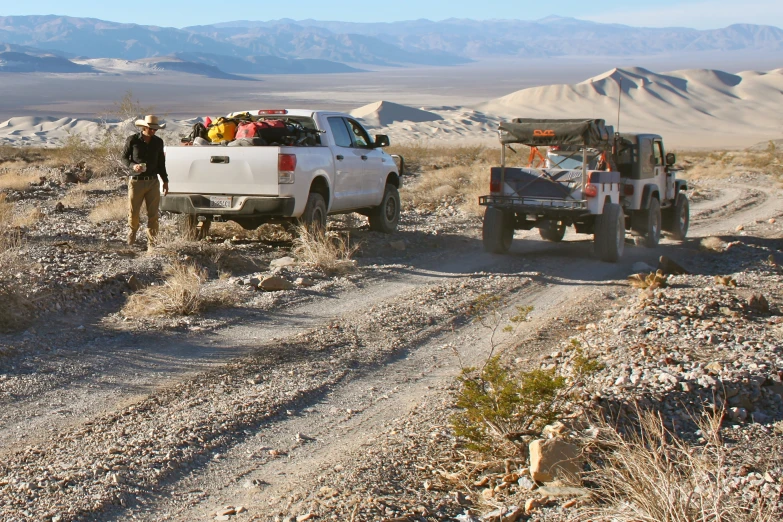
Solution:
(652, 224)
(681, 217)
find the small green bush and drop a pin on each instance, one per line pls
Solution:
(498, 407)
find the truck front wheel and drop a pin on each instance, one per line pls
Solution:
(314, 215)
(498, 230)
(551, 230)
(386, 216)
(609, 236)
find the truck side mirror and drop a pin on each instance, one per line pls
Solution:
(671, 159)
(381, 140)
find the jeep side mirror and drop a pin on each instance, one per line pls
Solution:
(381, 140)
(671, 159)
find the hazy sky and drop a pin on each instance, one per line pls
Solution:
(700, 14)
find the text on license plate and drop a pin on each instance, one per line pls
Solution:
(220, 201)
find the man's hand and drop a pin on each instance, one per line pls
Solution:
(165, 188)
(137, 168)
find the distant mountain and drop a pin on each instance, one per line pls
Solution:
(312, 46)
(26, 63)
(551, 36)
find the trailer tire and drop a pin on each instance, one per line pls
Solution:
(497, 230)
(609, 238)
(551, 230)
(680, 218)
(651, 224)
(314, 215)
(386, 216)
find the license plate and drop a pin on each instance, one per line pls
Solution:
(220, 201)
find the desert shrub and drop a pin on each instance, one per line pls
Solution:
(181, 293)
(28, 217)
(76, 197)
(497, 406)
(650, 475)
(712, 244)
(18, 181)
(330, 252)
(114, 209)
(649, 281)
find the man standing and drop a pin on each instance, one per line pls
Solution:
(143, 154)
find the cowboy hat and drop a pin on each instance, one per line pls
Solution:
(150, 121)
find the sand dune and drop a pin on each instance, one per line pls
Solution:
(690, 108)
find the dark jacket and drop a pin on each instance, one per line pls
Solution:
(136, 151)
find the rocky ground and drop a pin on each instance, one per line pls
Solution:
(332, 400)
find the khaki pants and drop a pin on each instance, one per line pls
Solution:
(146, 191)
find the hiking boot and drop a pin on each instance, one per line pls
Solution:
(131, 238)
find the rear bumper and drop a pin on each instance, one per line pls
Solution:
(243, 206)
(537, 206)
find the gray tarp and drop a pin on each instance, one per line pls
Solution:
(546, 132)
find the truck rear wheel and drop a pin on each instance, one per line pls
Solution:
(192, 229)
(386, 216)
(552, 230)
(609, 238)
(651, 224)
(680, 217)
(498, 230)
(314, 215)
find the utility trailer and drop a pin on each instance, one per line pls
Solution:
(620, 182)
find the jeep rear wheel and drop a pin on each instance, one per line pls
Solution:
(609, 238)
(552, 230)
(497, 230)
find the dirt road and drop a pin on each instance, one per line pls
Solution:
(259, 413)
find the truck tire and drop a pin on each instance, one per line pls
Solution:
(192, 229)
(497, 231)
(681, 218)
(386, 216)
(551, 230)
(651, 224)
(314, 215)
(609, 235)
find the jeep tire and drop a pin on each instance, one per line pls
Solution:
(651, 224)
(679, 218)
(552, 230)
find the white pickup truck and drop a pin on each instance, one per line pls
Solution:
(329, 165)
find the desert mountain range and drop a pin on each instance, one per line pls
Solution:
(310, 46)
(690, 108)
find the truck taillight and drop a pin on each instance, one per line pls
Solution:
(591, 190)
(628, 190)
(286, 165)
(494, 185)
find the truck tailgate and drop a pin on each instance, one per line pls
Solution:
(249, 171)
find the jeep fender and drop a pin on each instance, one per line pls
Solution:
(679, 185)
(649, 191)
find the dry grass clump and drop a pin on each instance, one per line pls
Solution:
(114, 209)
(18, 181)
(649, 281)
(712, 244)
(76, 196)
(330, 252)
(182, 293)
(652, 475)
(722, 164)
(27, 218)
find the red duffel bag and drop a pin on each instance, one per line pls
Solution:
(259, 129)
